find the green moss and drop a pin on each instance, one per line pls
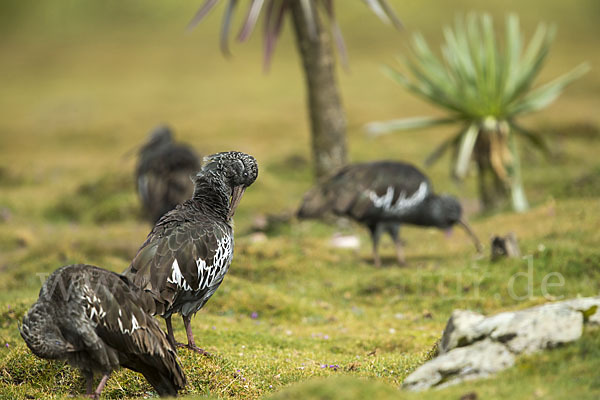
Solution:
(338, 388)
(109, 198)
(585, 185)
(70, 113)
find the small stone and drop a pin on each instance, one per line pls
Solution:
(339, 241)
(270, 222)
(505, 246)
(257, 237)
(260, 223)
(5, 214)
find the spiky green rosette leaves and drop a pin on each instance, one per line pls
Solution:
(485, 86)
(274, 14)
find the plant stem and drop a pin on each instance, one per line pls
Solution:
(327, 119)
(519, 200)
(492, 191)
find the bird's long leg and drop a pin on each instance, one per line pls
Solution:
(170, 334)
(393, 229)
(375, 234)
(101, 385)
(89, 382)
(190, 335)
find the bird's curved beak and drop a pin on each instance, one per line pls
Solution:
(463, 222)
(236, 196)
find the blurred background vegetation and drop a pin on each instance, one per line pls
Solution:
(83, 83)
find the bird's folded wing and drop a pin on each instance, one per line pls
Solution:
(184, 257)
(125, 326)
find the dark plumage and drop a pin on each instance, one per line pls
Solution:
(163, 173)
(383, 195)
(186, 256)
(97, 321)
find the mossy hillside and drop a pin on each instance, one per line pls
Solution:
(291, 308)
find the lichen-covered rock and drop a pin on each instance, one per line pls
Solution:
(534, 329)
(588, 306)
(473, 345)
(527, 330)
(479, 360)
(459, 330)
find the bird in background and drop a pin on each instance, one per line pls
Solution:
(188, 252)
(383, 195)
(97, 321)
(163, 173)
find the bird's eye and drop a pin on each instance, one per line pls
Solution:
(245, 174)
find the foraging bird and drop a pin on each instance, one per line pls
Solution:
(188, 252)
(95, 320)
(163, 173)
(384, 195)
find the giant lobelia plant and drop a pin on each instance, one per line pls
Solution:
(310, 19)
(485, 86)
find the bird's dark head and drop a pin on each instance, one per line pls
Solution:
(235, 169)
(445, 211)
(42, 335)
(160, 136)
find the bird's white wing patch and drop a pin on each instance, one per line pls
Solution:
(95, 312)
(177, 278)
(208, 275)
(403, 203)
(134, 325)
(93, 306)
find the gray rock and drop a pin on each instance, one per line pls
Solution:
(534, 329)
(588, 306)
(527, 330)
(460, 330)
(340, 241)
(474, 346)
(479, 360)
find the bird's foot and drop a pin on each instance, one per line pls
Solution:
(195, 348)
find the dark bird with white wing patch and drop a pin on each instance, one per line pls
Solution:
(383, 195)
(163, 173)
(97, 321)
(186, 256)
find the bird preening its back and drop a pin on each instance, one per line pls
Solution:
(163, 173)
(383, 195)
(188, 252)
(97, 321)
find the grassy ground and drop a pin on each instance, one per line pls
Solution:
(82, 85)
